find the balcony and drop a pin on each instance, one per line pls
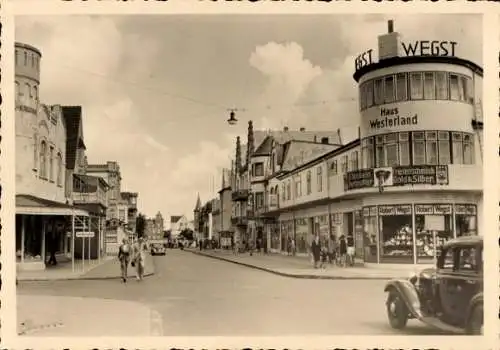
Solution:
(239, 220)
(90, 198)
(240, 195)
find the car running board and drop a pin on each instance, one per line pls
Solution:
(437, 323)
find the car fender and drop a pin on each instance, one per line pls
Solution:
(408, 294)
(475, 301)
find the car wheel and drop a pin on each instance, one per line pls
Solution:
(475, 323)
(397, 311)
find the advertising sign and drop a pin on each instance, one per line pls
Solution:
(397, 176)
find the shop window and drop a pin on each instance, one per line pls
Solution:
(418, 140)
(378, 90)
(416, 86)
(289, 190)
(319, 174)
(389, 89)
(301, 233)
(431, 147)
(468, 148)
(401, 87)
(433, 228)
(369, 93)
(441, 85)
(454, 88)
(429, 87)
(404, 149)
(391, 150)
(444, 147)
(396, 234)
(344, 164)
(457, 148)
(465, 220)
(308, 182)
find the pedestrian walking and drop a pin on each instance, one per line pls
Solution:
(324, 255)
(140, 249)
(316, 251)
(331, 249)
(350, 249)
(342, 250)
(124, 258)
(293, 248)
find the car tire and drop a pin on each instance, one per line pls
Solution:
(397, 312)
(475, 322)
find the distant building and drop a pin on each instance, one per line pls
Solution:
(178, 223)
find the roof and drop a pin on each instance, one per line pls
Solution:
(32, 205)
(74, 133)
(299, 152)
(464, 240)
(404, 60)
(175, 218)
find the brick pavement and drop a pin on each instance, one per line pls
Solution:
(301, 267)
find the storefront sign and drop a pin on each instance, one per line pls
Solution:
(370, 211)
(465, 209)
(433, 209)
(414, 48)
(359, 179)
(442, 209)
(391, 118)
(401, 209)
(420, 175)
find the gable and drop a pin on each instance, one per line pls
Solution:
(301, 153)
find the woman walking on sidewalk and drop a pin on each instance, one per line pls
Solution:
(124, 258)
(140, 258)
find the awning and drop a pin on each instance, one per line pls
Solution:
(31, 205)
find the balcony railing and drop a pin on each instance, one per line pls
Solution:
(240, 195)
(89, 198)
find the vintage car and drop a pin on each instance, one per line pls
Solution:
(158, 249)
(449, 296)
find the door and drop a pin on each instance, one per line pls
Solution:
(448, 282)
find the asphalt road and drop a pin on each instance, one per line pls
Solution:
(197, 295)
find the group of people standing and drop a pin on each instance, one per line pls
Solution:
(135, 254)
(339, 252)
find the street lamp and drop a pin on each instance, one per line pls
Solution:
(232, 116)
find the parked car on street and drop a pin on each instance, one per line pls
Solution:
(449, 296)
(158, 249)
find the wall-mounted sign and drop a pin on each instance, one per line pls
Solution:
(397, 176)
(390, 118)
(414, 48)
(465, 209)
(387, 210)
(433, 209)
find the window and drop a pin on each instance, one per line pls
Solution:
(379, 151)
(319, 174)
(354, 161)
(259, 200)
(429, 88)
(367, 153)
(416, 86)
(441, 85)
(362, 96)
(457, 149)
(51, 164)
(35, 93)
(308, 182)
(454, 92)
(468, 259)
(333, 167)
(258, 169)
(418, 148)
(16, 57)
(389, 89)
(448, 259)
(378, 90)
(35, 153)
(468, 149)
(298, 187)
(18, 92)
(25, 58)
(27, 91)
(391, 150)
(43, 160)
(431, 147)
(59, 169)
(444, 147)
(404, 149)
(289, 190)
(469, 90)
(32, 61)
(369, 93)
(401, 85)
(462, 85)
(283, 193)
(344, 164)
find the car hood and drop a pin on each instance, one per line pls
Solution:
(427, 272)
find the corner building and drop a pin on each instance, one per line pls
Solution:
(413, 179)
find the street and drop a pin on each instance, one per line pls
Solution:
(197, 295)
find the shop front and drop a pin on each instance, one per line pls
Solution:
(287, 234)
(414, 232)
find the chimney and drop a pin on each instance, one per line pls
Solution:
(285, 128)
(340, 136)
(389, 43)
(302, 129)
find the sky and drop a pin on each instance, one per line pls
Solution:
(156, 90)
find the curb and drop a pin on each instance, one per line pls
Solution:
(83, 278)
(290, 275)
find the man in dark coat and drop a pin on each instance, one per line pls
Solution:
(316, 251)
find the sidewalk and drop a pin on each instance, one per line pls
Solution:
(107, 268)
(300, 267)
(75, 316)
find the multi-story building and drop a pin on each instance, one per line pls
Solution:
(131, 199)
(178, 223)
(216, 220)
(226, 228)
(403, 188)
